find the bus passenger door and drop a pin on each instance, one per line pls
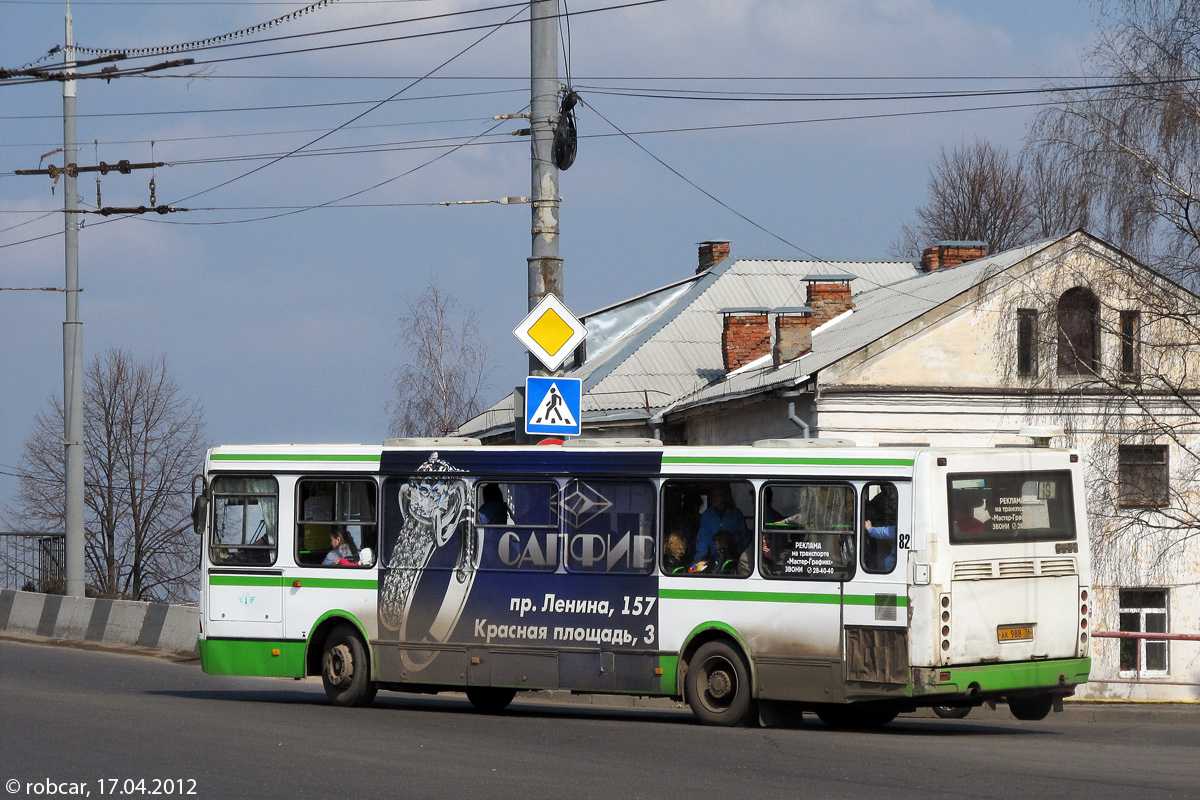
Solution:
(876, 599)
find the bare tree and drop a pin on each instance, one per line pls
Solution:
(977, 192)
(1138, 143)
(443, 382)
(144, 440)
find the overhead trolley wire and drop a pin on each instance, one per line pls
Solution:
(355, 118)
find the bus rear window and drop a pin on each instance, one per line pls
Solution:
(995, 507)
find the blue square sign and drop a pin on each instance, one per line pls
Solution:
(552, 406)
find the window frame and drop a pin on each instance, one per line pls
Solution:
(1126, 489)
(865, 538)
(1130, 357)
(1062, 480)
(271, 547)
(1078, 313)
(1027, 342)
(564, 496)
(850, 565)
(1127, 606)
(700, 481)
(299, 522)
(553, 528)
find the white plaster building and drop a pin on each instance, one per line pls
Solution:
(1069, 332)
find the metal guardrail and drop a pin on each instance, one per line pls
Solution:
(33, 561)
(1137, 670)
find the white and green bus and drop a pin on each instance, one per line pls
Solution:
(853, 582)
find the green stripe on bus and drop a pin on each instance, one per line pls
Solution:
(775, 597)
(869, 462)
(305, 583)
(293, 457)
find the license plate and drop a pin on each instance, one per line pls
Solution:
(1014, 633)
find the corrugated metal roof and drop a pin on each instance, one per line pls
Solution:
(672, 354)
(877, 312)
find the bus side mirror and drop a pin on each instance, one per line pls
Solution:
(199, 506)
(199, 514)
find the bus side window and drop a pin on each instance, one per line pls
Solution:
(517, 524)
(609, 526)
(807, 532)
(346, 508)
(879, 527)
(705, 528)
(245, 521)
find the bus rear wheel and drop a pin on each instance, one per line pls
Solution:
(490, 699)
(857, 716)
(718, 685)
(345, 669)
(1031, 708)
(952, 712)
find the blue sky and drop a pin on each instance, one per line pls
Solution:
(285, 329)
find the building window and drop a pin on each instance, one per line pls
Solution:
(1027, 329)
(1144, 611)
(1130, 328)
(1078, 332)
(1143, 475)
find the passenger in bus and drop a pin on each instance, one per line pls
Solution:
(724, 561)
(676, 553)
(721, 514)
(341, 549)
(880, 524)
(493, 510)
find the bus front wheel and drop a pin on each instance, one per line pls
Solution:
(490, 699)
(345, 669)
(718, 685)
(1032, 708)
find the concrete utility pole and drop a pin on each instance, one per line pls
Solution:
(545, 267)
(72, 337)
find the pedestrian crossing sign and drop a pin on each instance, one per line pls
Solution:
(552, 406)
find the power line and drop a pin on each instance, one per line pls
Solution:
(697, 187)
(352, 119)
(287, 107)
(248, 134)
(218, 42)
(469, 28)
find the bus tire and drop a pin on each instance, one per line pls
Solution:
(346, 670)
(860, 716)
(490, 699)
(718, 685)
(952, 712)
(1031, 707)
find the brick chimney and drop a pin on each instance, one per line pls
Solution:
(745, 336)
(712, 252)
(793, 334)
(828, 296)
(951, 254)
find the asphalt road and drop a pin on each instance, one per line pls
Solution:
(101, 722)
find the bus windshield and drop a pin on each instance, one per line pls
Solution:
(995, 507)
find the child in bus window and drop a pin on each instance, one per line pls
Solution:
(341, 549)
(676, 556)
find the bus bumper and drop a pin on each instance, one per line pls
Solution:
(254, 657)
(980, 681)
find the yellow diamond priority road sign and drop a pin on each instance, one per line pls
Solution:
(551, 332)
